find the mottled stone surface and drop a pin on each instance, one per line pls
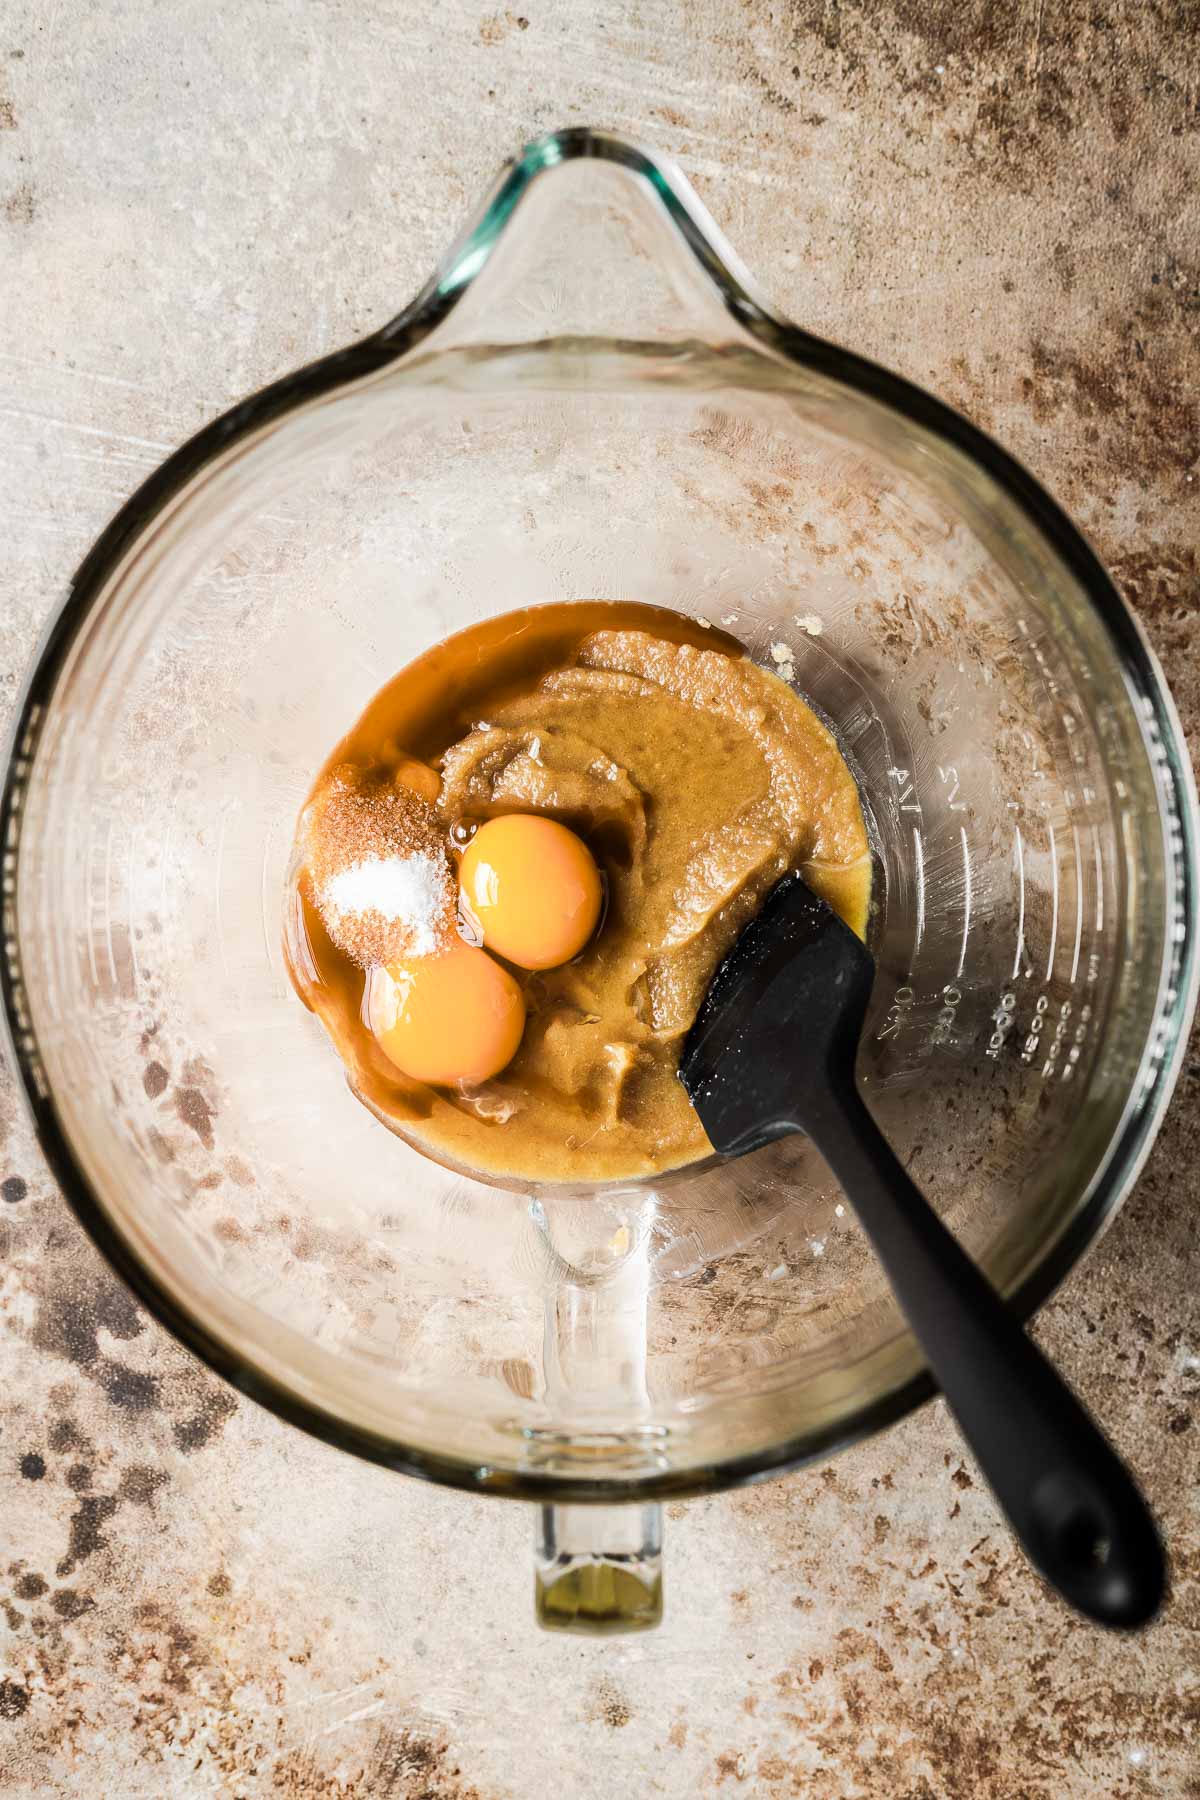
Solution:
(1001, 199)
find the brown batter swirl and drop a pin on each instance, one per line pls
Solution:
(696, 778)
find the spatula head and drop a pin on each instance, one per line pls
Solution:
(780, 1022)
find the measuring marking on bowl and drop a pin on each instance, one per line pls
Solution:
(919, 868)
(1054, 900)
(1078, 903)
(966, 925)
(132, 864)
(1020, 851)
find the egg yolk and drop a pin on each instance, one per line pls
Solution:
(457, 1016)
(532, 887)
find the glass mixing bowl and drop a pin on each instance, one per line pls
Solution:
(589, 400)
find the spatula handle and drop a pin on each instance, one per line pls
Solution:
(1069, 1498)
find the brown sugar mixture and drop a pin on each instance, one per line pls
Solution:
(694, 777)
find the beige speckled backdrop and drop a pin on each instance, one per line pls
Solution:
(998, 197)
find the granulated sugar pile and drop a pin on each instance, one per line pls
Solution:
(379, 869)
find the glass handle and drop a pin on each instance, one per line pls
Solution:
(598, 1569)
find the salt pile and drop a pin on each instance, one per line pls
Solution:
(409, 891)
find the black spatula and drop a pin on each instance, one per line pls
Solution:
(773, 1051)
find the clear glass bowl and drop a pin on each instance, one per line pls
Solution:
(589, 400)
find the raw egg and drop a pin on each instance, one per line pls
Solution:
(533, 889)
(457, 1016)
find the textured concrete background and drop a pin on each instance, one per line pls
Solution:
(1000, 198)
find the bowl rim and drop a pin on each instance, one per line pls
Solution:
(1161, 1056)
